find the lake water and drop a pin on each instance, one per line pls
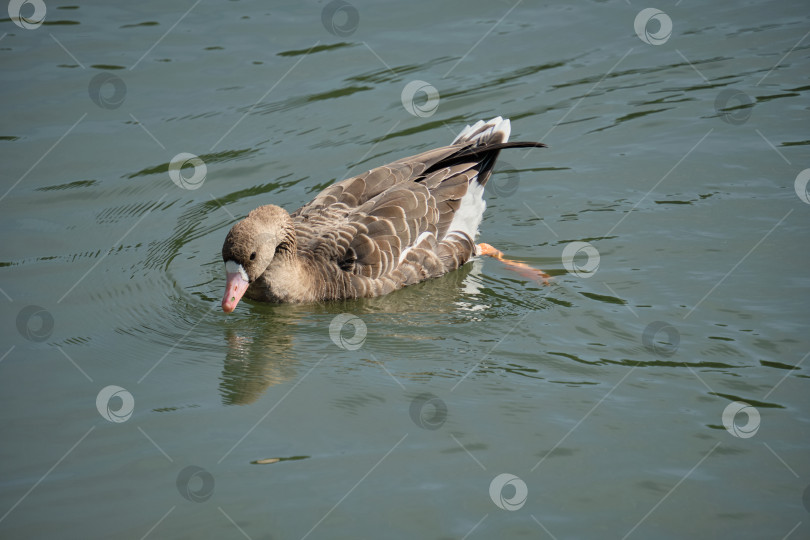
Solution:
(657, 388)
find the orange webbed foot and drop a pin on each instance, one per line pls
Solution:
(521, 268)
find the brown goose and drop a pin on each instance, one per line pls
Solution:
(396, 225)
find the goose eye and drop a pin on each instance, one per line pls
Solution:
(252, 255)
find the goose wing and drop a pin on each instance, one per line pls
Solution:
(366, 224)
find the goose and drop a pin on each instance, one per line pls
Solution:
(393, 226)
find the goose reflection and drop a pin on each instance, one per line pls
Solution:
(259, 354)
(260, 351)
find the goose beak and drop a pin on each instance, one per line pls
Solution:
(234, 290)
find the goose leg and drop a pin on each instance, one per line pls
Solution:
(521, 268)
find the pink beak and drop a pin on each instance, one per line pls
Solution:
(234, 290)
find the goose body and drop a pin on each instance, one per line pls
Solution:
(393, 226)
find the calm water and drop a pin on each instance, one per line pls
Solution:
(615, 397)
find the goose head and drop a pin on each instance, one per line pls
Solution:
(250, 248)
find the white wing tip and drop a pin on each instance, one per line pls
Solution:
(496, 130)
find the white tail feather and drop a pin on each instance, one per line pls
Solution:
(468, 217)
(494, 131)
